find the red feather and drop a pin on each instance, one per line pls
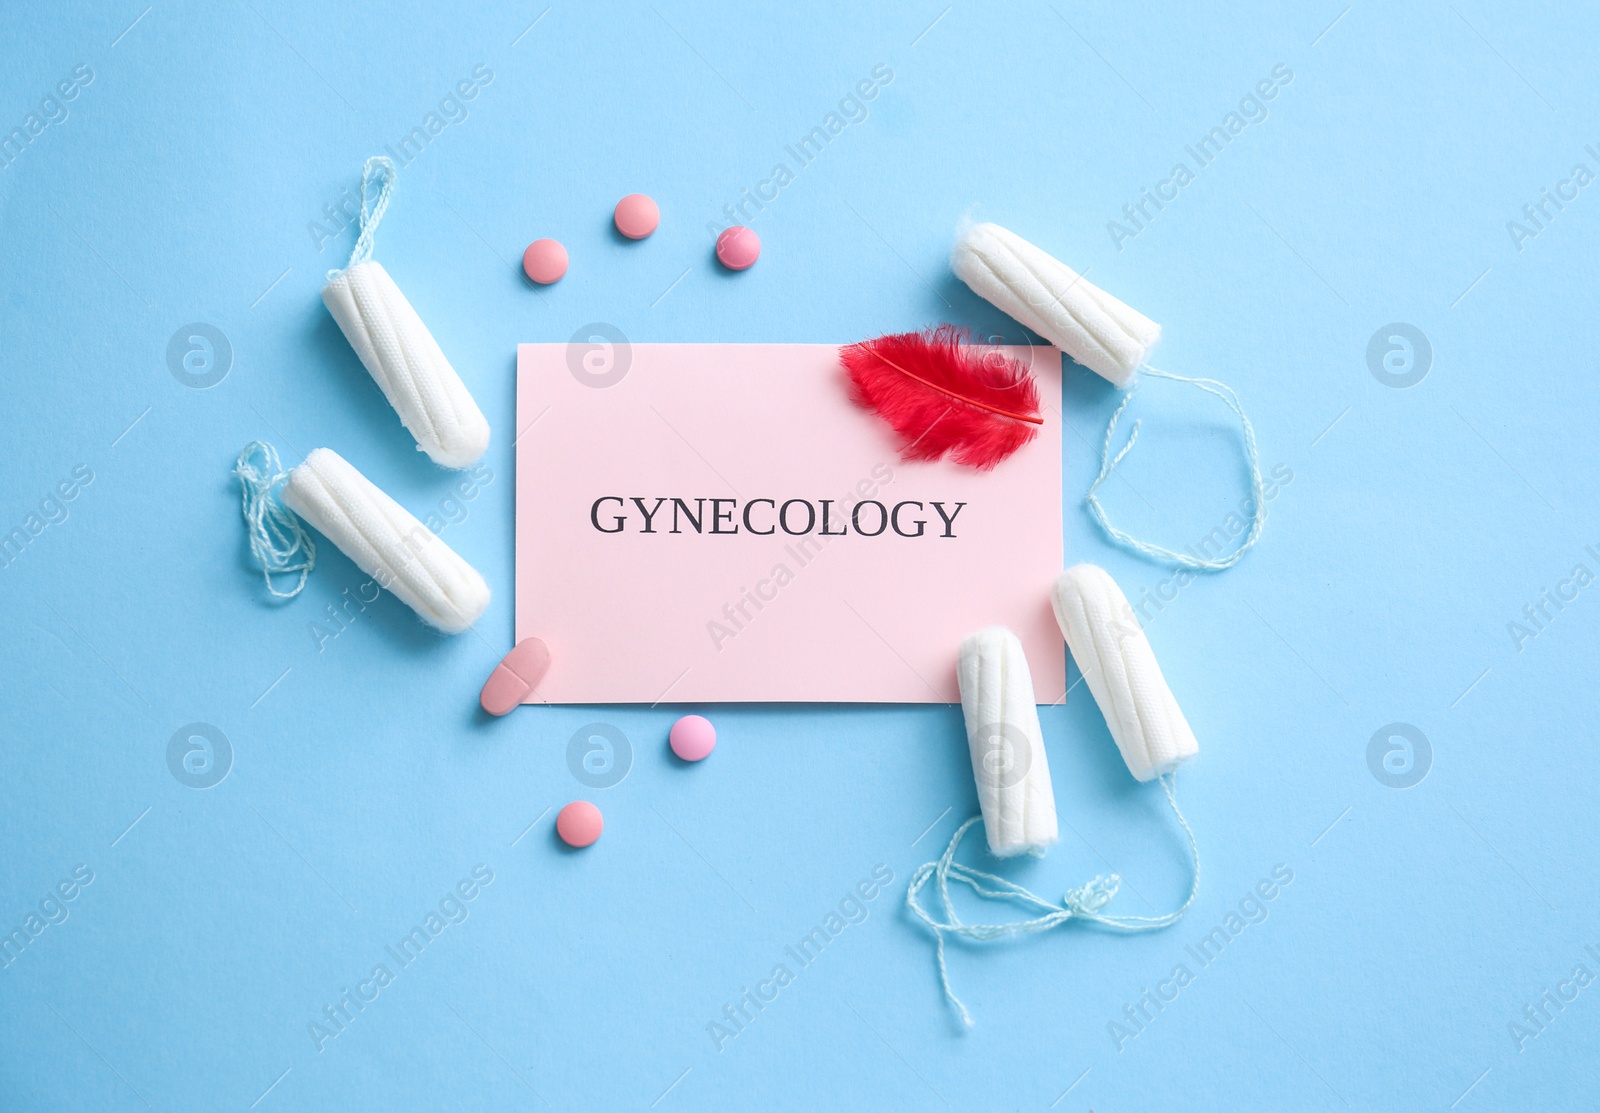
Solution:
(945, 396)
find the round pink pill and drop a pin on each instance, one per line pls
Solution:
(636, 216)
(545, 261)
(693, 737)
(579, 823)
(738, 247)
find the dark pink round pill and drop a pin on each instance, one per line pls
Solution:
(738, 247)
(545, 261)
(636, 216)
(579, 823)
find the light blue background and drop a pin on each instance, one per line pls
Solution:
(365, 783)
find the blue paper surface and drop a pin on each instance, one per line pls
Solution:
(1419, 567)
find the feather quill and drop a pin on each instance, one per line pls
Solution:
(945, 396)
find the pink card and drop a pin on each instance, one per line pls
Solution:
(703, 523)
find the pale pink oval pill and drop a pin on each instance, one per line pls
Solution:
(692, 737)
(545, 261)
(579, 823)
(515, 677)
(636, 216)
(738, 247)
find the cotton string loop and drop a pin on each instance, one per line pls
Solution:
(1085, 903)
(375, 166)
(1108, 464)
(278, 541)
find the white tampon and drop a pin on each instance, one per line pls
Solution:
(1052, 299)
(398, 350)
(1105, 336)
(1111, 649)
(1145, 721)
(386, 542)
(1007, 747)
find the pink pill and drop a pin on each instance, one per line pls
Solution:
(738, 247)
(545, 261)
(636, 216)
(515, 677)
(692, 737)
(579, 823)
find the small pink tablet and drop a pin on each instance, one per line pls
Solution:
(692, 737)
(636, 216)
(738, 247)
(515, 677)
(579, 824)
(545, 261)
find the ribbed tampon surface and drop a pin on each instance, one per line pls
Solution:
(1052, 299)
(1006, 744)
(404, 360)
(1115, 657)
(386, 542)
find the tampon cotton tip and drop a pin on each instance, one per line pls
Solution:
(738, 248)
(1052, 299)
(692, 737)
(515, 677)
(636, 216)
(1006, 744)
(397, 349)
(579, 824)
(382, 538)
(545, 261)
(1115, 657)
